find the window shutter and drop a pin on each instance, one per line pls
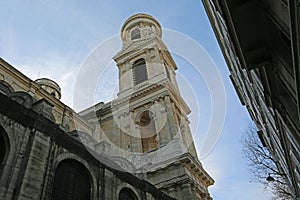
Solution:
(139, 71)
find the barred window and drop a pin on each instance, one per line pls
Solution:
(135, 34)
(71, 181)
(139, 71)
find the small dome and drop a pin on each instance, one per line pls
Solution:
(140, 26)
(50, 86)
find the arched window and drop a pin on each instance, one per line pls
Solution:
(148, 132)
(71, 181)
(4, 148)
(127, 194)
(139, 71)
(135, 34)
(4, 89)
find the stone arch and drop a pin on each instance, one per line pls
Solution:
(72, 180)
(127, 193)
(69, 156)
(5, 88)
(5, 147)
(11, 149)
(146, 123)
(124, 163)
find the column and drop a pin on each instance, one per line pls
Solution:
(158, 123)
(172, 191)
(187, 191)
(171, 117)
(189, 139)
(133, 133)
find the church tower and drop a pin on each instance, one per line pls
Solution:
(151, 115)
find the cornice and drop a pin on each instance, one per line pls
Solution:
(196, 168)
(134, 47)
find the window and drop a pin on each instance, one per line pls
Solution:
(139, 71)
(71, 181)
(135, 34)
(127, 194)
(148, 132)
(4, 89)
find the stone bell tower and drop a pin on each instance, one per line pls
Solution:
(152, 115)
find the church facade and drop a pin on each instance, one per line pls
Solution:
(138, 146)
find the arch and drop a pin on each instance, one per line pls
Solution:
(139, 71)
(127, 194)
(71, 181)
(124, 163)
(4, 148)
(135, 34)
(148, 131)
(5, 88)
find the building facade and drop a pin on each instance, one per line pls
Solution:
(260, 43)
(44, 155)
(136, 147)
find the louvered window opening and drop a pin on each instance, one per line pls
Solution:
(135, 34)
(139, 71)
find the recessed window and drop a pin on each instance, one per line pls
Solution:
(148, 132)
(4, 89)
(71, 181)
(135, 34)
(127, 194)
(139, 71)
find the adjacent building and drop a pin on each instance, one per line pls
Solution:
(138, 146)
(260, 42)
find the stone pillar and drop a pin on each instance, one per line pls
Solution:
(163, 123)
(123, 143)
(187, 191)
(133, 133)
(172, 191)
(171, 118)
(183, 131)
(204, 196)
(158, 123)
(189, 139)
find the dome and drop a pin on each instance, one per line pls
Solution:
(50, 86)
(140, 26)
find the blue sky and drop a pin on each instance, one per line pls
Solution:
(51, 38)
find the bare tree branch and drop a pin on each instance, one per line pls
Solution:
(261, 164)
